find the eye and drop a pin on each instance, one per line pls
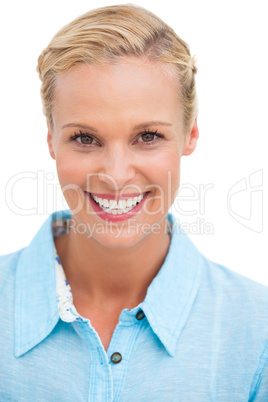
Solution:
(84, 139)
(149, 136)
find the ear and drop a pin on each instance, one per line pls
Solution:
(49, 141)
(191, 140)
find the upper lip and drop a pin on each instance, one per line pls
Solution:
(117, 196)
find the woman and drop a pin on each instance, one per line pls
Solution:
(111, 300)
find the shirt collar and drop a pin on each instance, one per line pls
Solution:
(167, 303)
(36, 312)
(172, 293)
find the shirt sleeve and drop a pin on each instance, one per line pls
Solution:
(259, 391)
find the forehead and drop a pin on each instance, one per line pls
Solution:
(128, 88)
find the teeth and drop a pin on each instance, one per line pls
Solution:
(122, 204)
(117, 208)
(105, 203)
(112, 205)
(129, 202)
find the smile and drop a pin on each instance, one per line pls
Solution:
(117, 207)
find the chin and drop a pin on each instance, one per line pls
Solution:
(118, 236)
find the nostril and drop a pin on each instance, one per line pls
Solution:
(117, 177)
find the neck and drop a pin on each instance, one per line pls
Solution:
(122, 275)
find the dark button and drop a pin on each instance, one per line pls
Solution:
(140, 315)
(116, 357)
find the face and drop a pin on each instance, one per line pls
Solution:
(117, 140)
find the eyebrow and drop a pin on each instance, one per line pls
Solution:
(136, 127)
(152, 123)
(85, 126)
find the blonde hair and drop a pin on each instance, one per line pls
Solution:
(107, 34)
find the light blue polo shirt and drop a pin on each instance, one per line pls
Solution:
(201, 334)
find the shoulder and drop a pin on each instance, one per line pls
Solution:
(235, 285)
(221, 289)
(8, 262)
(37, 250)
(8, 268)
(235, 298)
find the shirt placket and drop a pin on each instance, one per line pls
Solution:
(100, 374)
(122, 345)
(108, 369)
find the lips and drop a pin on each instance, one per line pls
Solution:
(117, 206)
(113, 208)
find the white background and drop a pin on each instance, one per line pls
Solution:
(229, 39)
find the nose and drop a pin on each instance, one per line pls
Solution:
(118, 168)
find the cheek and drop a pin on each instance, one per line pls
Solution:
(70, 178)
(164, 177)
(71, 169)
(167, 167)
